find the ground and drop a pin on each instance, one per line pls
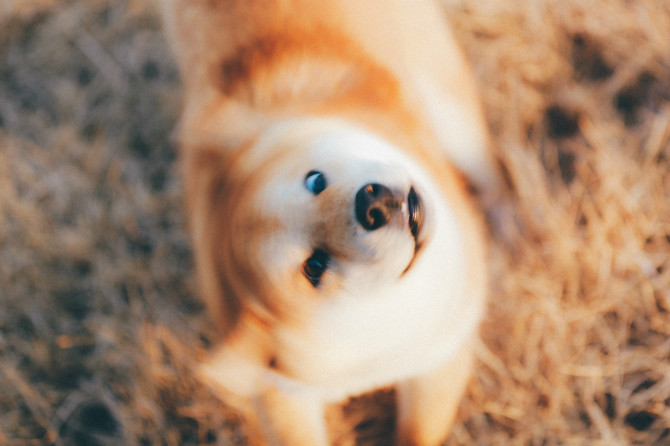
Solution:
(101, 325)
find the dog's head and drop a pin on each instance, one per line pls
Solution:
(311, 210)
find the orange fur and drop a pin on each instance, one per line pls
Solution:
(264, 81)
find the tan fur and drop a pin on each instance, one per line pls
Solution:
(264, 80)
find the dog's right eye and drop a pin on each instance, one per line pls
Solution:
(315, 182)
(315, 266)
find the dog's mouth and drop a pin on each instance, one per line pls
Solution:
(415, 210)
(416, 217)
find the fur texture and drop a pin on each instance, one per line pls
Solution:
(376, 275)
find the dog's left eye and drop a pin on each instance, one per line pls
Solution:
(315, 266)
(315, 182)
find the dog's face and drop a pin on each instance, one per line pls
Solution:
(325, 209)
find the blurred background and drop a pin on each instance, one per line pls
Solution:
(100, 325)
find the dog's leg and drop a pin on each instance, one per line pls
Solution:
(427, 404)
(291, 419)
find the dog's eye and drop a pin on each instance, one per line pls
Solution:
(315, 182)
(315, 266)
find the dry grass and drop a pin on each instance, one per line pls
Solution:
(100, 326)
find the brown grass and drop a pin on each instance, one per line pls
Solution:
(100, 327)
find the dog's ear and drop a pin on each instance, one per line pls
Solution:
(210, 140)
(204, 169)
(213, 195)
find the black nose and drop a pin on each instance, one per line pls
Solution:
(375, 206)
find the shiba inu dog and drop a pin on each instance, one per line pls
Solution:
(325, 145)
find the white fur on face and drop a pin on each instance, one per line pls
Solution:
(371, 322)
(349, 158)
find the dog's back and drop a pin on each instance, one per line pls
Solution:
(219, 44)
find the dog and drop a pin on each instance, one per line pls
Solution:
(330, 149)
